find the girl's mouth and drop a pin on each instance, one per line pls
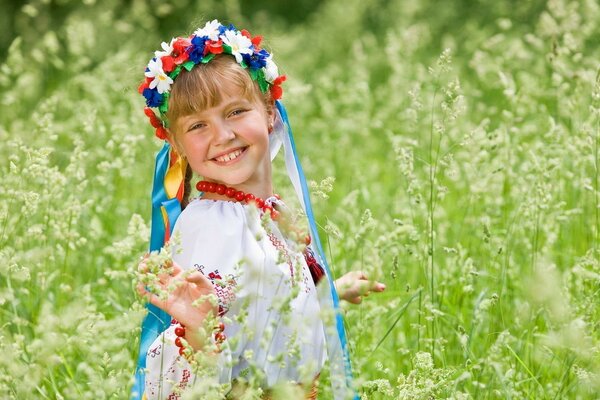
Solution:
(230, 157)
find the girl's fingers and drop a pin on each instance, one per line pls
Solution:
(151, 298)
(198, 278)
(359, 275)
(176, 268)
(377, 286)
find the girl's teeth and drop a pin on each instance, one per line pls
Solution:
(230, 156)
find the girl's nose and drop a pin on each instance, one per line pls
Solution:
(223, 133)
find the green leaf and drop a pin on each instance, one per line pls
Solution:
(165, 104)
(208, 57)
(262, 84)
(175, 72)
(188, 65)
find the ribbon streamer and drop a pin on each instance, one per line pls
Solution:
(167, 193)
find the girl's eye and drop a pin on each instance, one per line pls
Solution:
(193, 127)
(237, 112)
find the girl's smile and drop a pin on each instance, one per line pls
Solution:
(230, 157)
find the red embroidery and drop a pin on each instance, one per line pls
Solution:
(155, 351)
(224, 288)
(182, 384)
(184, 379)
(283, 250)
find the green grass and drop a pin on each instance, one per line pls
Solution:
(467, 181)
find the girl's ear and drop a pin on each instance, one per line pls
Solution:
(173, 142)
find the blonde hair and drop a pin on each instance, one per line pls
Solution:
(200, 88)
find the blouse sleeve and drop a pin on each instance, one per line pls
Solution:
(210, 236)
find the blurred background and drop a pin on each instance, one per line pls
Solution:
(453, 152)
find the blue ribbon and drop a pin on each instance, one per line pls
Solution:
(315, 239)
(156, 320)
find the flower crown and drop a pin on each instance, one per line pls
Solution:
(201, 47)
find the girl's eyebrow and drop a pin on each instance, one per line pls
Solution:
(234, 102)
(193, 117)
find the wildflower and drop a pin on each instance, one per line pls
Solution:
(196, 52)
(210, 30)
(167, 49)
(161, 81)
(271, 71)
(238, 43)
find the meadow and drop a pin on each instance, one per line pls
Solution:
(453, 149)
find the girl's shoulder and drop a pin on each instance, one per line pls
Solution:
(214, 234)
(213, 217)
(214, 208)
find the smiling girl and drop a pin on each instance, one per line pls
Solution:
(247, 291)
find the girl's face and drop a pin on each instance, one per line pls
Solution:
(229, 143)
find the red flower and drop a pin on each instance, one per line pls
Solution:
(255, 40)
(180, 48)
(276, 92)
(161, 133)
(213, 47)
(154, 120)
(144, 85)
(279, 80)
(168, 63)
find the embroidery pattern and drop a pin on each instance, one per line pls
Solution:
(283, 251)
(224, 288)
(155, 351)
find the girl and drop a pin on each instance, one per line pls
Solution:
(246, 290)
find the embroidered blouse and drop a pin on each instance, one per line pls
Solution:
(259, 277)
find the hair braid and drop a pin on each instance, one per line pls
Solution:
(187, 187)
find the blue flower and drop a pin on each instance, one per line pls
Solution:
(224, 28)
(197, 49)
(256, 60)
(153, 98)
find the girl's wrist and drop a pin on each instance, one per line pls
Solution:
(198, 339)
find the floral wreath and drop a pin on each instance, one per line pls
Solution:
(199, 48)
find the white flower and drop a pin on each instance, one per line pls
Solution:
(211, 29)
(239, 44)
(270, 69)
(161, 80)
(167, 49)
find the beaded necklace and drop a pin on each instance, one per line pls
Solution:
(232, 193)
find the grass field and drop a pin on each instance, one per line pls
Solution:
(454, 150)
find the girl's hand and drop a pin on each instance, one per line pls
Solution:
(355, 285)
(182, 301)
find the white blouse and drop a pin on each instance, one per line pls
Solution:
(257, 274)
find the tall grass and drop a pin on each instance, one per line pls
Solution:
(466, 179)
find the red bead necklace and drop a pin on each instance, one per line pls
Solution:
(238, 195)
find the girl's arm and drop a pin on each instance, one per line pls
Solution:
(188, 300)
(355, 285)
